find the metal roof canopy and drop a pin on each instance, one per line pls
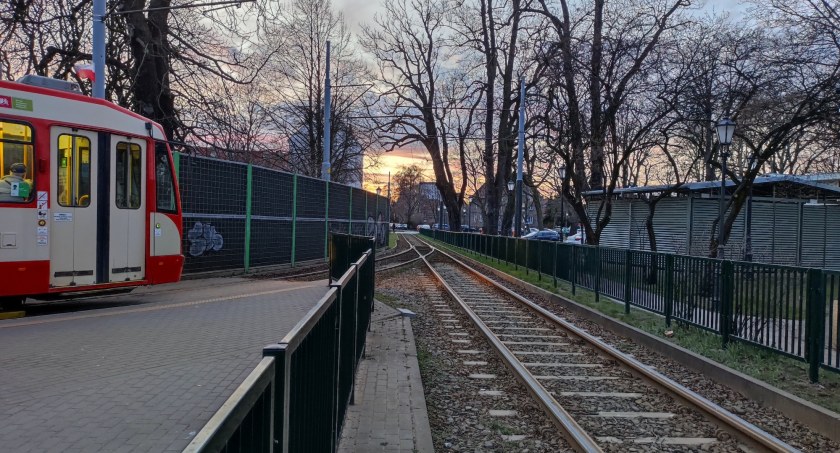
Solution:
(792, 186)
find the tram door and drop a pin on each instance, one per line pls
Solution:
(128, 208)
(73, 207)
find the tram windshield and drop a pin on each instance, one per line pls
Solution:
(16, 158)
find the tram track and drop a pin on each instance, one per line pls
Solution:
(397, 259)
(603, 399)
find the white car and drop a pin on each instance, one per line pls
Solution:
(576, 238)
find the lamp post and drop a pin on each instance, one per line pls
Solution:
(378, 193)
(725, 130)
(511, 185)
(748, 255)
(519, 158)
(562, 172)
(469, 214)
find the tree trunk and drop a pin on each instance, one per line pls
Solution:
(151, 55)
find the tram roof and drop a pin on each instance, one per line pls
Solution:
(36, 102)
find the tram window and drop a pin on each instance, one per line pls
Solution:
(16, 154)
(74, 176)
(165, 186)
(129, 174)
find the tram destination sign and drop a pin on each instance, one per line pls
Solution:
(10, 102)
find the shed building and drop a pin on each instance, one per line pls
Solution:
(795, 219)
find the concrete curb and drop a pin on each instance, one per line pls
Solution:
(422, 428)
(821, 420)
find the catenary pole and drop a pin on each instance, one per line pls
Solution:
(325, 166)
(99, 48)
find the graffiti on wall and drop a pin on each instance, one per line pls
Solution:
(377, 229)
(204, 238)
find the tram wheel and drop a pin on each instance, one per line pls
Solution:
(14, 303)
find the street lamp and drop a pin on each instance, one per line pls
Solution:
(562, 172)
(753, 163)
(511, 185)
(469, 214)
(725, 130)
(378, 193)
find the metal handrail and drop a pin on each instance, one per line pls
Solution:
(229, 417)
(262, 414)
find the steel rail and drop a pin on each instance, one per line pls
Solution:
(388, 268)
(577, 436)
(745, 430)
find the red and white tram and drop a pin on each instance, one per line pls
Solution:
(88, 200)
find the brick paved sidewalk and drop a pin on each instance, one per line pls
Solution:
(389, 414)
(144, 377)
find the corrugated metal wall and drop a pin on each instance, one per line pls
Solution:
(685, 226)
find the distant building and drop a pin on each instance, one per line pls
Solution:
(794, 220)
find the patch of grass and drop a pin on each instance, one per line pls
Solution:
(783, 372)
(386, 299)
(499, 427)
(424, 359)
(392, 240)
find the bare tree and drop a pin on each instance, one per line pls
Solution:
(294, 81)
(602, 57)
(787, 90)
(408, 41)
(407, 191)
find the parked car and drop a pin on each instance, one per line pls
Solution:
(423, 226)
(544, 235)
(576, 238)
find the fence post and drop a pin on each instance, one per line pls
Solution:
(326, 219)
(554, 264)
(350, 213)
(282, 368)
(815, 322)
(336, 366)
(526, 254)
(669, 288)
(249, 193)
(726, 296)
(515, 254)
(628, 280)
(539, 260)
(573, 269)
(294, 216)
(597, 273)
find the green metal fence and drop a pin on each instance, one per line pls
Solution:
(296, 398)
(793, 311)
(238, 216)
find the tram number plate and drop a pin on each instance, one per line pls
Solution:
(62, 217)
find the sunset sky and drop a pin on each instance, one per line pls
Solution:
(392, 162)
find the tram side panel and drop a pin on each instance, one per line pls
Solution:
(24, 249)
(165, 260)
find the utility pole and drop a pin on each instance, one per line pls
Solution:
(325, 165)
(99, 49)
(519, 158)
